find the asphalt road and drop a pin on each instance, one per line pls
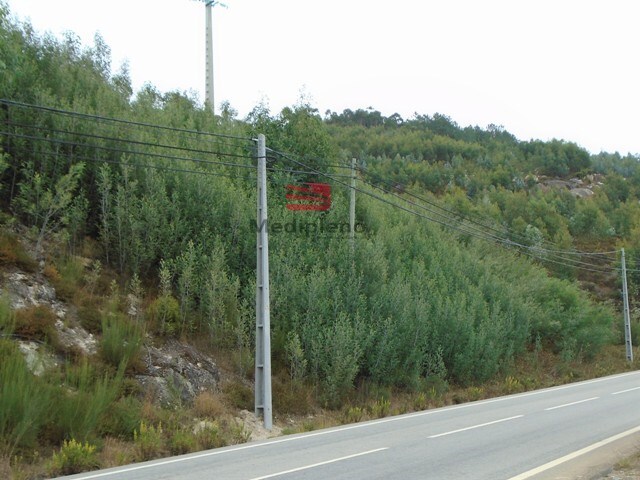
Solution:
(511, 438)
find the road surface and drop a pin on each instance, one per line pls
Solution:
(512, 438)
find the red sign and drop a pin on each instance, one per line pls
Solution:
(309, 196)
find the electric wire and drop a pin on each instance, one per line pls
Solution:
(128, 152)
(128, 141)
(533, 251)
(466, 229)
(116, 120)
(485, 225)
(154, 167)
(501, 241)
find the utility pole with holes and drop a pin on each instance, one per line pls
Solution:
(263, 316)
(625, 305)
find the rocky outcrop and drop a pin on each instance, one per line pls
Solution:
(29, 290)
(176, 373)
(173, 373)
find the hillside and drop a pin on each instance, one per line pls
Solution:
(481, 264)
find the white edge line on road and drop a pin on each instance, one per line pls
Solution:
(475, 426)
(571, 456)
(572, 403)
(408, 416)
(319, 464)
(625, 391)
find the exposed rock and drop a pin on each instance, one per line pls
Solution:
(76, 337)
(38, 359)
(581, 192)
(27, 290)
(176, 373)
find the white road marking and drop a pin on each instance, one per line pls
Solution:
(572, 403)
(625, 391)
(319, 464)
(571, 456)
(475, 426)
(409, 416)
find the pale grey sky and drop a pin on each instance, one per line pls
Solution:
(542, 68)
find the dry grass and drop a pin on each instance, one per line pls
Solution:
(115, 453)
(36, 323)
(12, 252)
(209, 405)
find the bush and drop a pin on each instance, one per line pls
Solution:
(67, 277)
(13, 253)
(122, 418)
(74, 457)
(89, 314)
(209, 405)
(36, 323)
(121, 341)
(380, 408)
(182, 441)
(25, 401)
(149, 441)
(352, 414)
(84, 402)
(239, 395)
(164, 314)
(7, 317)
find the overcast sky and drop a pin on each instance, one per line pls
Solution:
(543, 69)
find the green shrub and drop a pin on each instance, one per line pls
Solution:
(208, 436)
(380, 408)
(89, 315)
(25, 401)
(84, 402)
(149, 441)
(121, 341)
(420, 401)
(68, 280)
(239, 395)
(7, 317)
(164, 314)
(74, 457)
(352, 414)
(121, 418)
(182, 441)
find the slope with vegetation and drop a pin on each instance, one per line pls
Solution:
(158, 209)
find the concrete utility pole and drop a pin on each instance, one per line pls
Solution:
(352, 206)
(625, 304)
(209, 98)
(263, 315)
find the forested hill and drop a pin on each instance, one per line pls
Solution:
(457, 296)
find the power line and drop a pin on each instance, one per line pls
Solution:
(128, 152)
(125, 122)
(458, 214)
(154, 167)
(126, 140)
(533, 251)
(483, 235)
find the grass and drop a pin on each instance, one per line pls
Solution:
(121, 340)
(25, 402)
(12, 252)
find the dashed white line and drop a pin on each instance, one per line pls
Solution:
(572, 403)
(625, 391)
(475, 426)
(319, 464)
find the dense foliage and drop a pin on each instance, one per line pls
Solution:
(409, 302)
